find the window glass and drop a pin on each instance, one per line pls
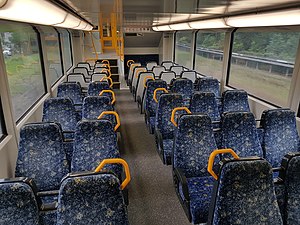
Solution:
(23, 65)
(53, 53)
(209, 54)
(183, 48)
(262, 63)
(67, 51)
(183, 6)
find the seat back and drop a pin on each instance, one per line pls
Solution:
(167, 64)
(93, 106)
(244, 194)
(84, 64)
(150, 65)
(194, 142)
(98, 76)
(136, 74)
(205, 102)
(131, 70)
(167, 76)
(18, 204)
(62, 111)
(92, 199)
(189, 75)
(41, 155)
(280, 134)
(94, 141)
(239, 133)
(77, 77)
(150, 104)
(235, 100)
(166, 104)
(100, 64)
(185, 87)
(157, 70)
(140, 84)
(82, 70)
(70, 90)
(209, 85)
(96, 87)
(177, 70)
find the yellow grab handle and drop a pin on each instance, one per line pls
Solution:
(139, 70)
(111, 113)
(105, 61)
(108, 79)
(212, 159)
(129, 62)
(106, 70)
(175, 110)
(112, 94)
(147, 78)
(155, 92)
(117, 161)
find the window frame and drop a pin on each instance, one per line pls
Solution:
(3, 133)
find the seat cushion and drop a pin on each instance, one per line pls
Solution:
(168, 149)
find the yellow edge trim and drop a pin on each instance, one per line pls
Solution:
(139, 70)
(109, 79)
(147, 78)
(117, 161)
(129, 61)
(156, 90)
(105, 61)
(112, 93)
(175, 110)
(112, 113)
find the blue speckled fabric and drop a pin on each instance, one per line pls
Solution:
(245, 194)
(280, 135)
(41, 155)
(91, 200)
(239, 133)
(62, 111)
(70, 90)
(209, 85)
(166, 104)
(18, 205)
(205, 102)
(48, 217)
(194, 142)
(95, 140)
(280, 195)
(235, 100)
(292, 182)
(168, 150)
(96, 87)
(185, 87)
(150, 104)
(68, 147)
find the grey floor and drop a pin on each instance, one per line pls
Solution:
(152, 197)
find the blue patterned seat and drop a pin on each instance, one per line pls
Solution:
(41, 155)
(185, 87)
(244, 194)
(190, 74)
(177, 70)
(280, 134)
(164, 129)
(70, 90)
(96, 87)
(193, 143)
(62, 111)
(92, 199)
(208, 84)
(206, 103)
(150, 104)
(95, 140)
(240, 134)
(167, 76)
(235, 100)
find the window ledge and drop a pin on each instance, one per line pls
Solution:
(5, 141)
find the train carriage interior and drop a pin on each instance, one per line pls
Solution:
(149, 112)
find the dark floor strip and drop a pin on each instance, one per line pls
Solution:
(152, 197)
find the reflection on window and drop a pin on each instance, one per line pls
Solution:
(23, 65)
(183, 48)
(262, 63)
(66, 45)
(209, 54)
(53, 53)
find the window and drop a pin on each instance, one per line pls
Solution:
(23, 65)
(262, 63)
(53, 53)
(209, 54)
(67, 51)
(183, 48)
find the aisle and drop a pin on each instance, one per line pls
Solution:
(152, 197)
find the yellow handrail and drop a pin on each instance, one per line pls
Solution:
(139, 70)
(109, 79)
(106, 70)
(175, 110)
(117, 161)
(112, 93)
(155, 92)
(111, 113)
(105, 61)
(129, 62)
(146, 78)
(212, 159)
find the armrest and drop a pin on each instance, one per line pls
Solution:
(48, 207)
(277, 169)
(159, 140)
(179, 176)
(47, 193)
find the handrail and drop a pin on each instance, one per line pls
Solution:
(129, 62)
(175, 110)
(105, 61)
(139, 70)
(117, 161)
(111, 113)
(106, 70)
(146, 78)
(212, 159)
(108, 79)
(112, 93)
(155, 92)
